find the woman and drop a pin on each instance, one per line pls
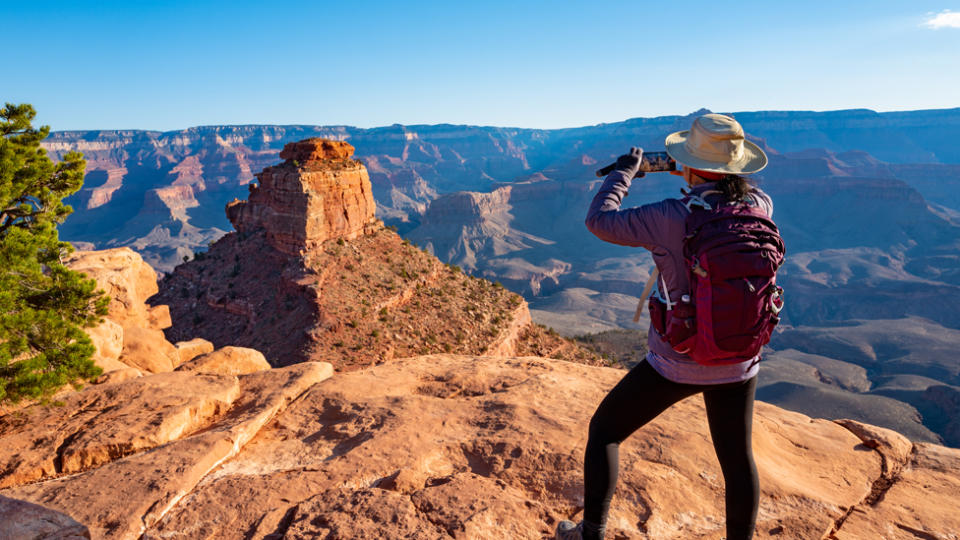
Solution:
(713, 154)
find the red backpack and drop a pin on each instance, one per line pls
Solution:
(733, 253)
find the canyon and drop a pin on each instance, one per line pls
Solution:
(867, 203)
(314, 374)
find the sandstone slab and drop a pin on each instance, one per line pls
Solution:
(108, 421)
(228, 361)
(921, 501)
(159, 317)
(447, 446)
(124, 497)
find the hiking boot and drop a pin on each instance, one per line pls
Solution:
(568, 530)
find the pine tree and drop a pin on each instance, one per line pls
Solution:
(44, 305)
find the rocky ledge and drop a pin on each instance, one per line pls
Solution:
(442, 446)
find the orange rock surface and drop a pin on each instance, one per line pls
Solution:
(188, 350)
(228, 361)
(317, 149)
(447, 446)
(107, 421)
(317, 194)
(128, 281)
(131, 334)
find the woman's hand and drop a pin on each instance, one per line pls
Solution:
(630, 162)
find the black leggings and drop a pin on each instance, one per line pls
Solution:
(639, 398)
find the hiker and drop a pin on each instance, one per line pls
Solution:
(712, 156)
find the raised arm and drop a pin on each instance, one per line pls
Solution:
(642, 226)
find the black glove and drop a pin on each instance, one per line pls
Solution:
(630, 163)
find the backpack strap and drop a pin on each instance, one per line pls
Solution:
(666, 292)
(690, 201)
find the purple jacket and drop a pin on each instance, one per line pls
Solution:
(659, 227)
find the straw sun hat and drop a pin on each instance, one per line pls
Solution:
(715, 143)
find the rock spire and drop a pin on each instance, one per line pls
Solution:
(318, 193)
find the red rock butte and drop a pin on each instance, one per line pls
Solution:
(318, 193)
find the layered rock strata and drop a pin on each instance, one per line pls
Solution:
(317, 194)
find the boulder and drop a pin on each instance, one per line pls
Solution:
(228, 361)
(119, 375)
(107, 337)
(188, 350)
(148, 350)
(127, 280)
(159, 317)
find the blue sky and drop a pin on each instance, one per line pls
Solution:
(171, 65)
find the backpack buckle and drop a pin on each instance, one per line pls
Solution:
(776, 301)
(697, 269)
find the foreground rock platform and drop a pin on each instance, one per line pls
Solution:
(445, 446)
(120, 498)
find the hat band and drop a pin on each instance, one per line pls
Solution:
(725, 153)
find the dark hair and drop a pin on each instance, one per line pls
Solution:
(734, 187)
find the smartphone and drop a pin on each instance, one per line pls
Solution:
(651, 162)
(657, 162)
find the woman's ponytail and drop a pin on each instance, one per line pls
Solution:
(734, 187)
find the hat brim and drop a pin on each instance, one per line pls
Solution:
(753, 159)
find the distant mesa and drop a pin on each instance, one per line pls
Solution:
(317, 194)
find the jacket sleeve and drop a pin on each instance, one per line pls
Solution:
(642, 226)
